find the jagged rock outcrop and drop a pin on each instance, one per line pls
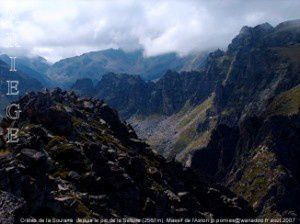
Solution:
(75, 158)
(131, 95)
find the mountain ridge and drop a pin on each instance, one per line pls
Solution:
(95, 64)
(33, 67)
(75, 159)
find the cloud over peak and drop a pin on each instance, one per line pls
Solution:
(58, 29)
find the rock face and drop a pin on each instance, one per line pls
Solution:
(84, 87)
(259, 160)
(76, 159)
(262, 66)
(127, 93)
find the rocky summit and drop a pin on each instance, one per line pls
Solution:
(75, 158)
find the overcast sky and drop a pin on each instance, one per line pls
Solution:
(58, 29)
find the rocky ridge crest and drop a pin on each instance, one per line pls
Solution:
(75, 158)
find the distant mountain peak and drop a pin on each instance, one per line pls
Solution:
(264, 26)
(288, 24)
(246, 30)
(95, 64)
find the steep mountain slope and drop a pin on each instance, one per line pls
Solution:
(26, 83)
(76, 159)
(36, 63)
(259, 70)
(33, 67)
(257, 157)
(258, 160)
(95, 64)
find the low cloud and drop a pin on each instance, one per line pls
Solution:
(57, 29)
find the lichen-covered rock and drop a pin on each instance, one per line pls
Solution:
(11, 208)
